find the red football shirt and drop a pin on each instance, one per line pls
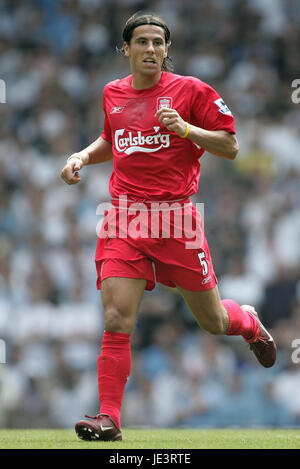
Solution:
(150, 162)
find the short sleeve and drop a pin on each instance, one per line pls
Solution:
(106, 134)
(209, 110)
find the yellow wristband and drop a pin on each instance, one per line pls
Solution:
(187, 131)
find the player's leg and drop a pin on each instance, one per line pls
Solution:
(185, 262)
(121, 298)
(215, 316)
(228, 317)
(207, 308)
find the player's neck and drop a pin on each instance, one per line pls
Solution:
(142, 82)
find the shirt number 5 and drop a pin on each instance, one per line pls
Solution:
(203, 262)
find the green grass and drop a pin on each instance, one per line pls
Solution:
(156, 439)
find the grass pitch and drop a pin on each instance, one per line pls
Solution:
(155, 439)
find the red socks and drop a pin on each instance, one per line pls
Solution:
(114, 365)
(240, 322)
(114, 362)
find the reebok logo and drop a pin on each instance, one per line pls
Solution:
(139, 142)
(206, 280)
(117, 109)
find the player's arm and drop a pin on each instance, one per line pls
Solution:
(218, 142)
(97, 152)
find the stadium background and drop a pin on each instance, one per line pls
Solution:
(55, 57)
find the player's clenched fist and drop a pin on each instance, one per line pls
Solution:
(172, 120)
(74, 164)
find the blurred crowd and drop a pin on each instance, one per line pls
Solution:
(55, 58)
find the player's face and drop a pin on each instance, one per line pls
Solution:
(147, 49)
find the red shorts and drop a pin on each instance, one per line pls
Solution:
(158, 255)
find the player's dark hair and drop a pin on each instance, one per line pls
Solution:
(140, 19)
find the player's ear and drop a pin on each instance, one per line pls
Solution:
(126, 49)
(166, 50)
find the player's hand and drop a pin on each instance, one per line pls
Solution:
(172, 120)
(74, 164)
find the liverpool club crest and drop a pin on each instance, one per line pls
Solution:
(164, 102)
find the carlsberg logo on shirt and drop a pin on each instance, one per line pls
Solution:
(139, 142)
